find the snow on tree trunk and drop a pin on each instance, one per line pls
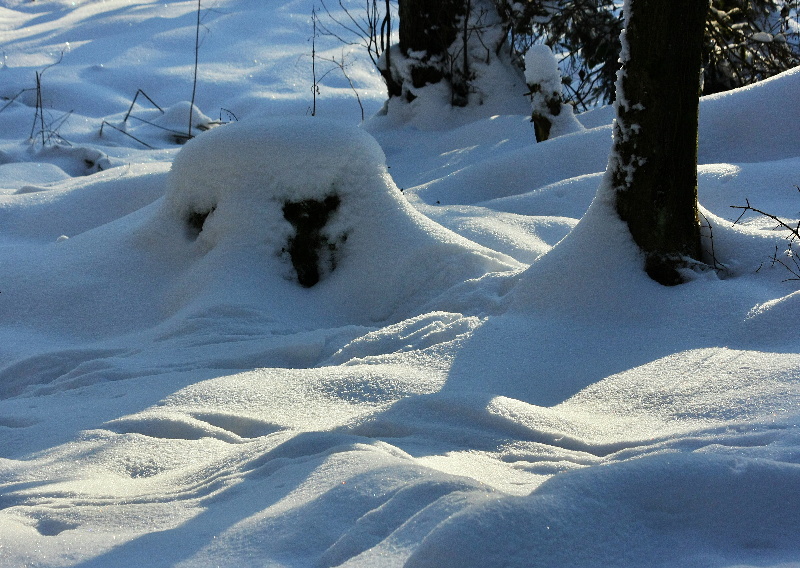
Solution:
(451, 44)
(653, 163)
(429, 29)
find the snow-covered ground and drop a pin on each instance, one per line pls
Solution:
(483, 376)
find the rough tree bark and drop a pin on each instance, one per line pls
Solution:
(429, 29)
(654, 158)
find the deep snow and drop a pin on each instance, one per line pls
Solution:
(483, 375)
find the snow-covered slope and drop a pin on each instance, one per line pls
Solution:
(482, 376)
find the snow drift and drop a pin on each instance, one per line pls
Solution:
(481, 374)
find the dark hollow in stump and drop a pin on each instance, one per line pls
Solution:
(309, 248)
(195, 222)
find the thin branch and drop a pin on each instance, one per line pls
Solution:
(795, 231)
(714, 262)
(314, 84)
(53, 131)
(222, 109)
(794, 271)
(794, 236)
(140, 92)
(153, 124)
(142, 142)
(196, 61)
(39, 113)
(15, 97)
(341, 66)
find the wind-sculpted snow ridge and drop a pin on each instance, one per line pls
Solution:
(365, 465)
(664, 510)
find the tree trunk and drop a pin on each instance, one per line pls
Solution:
(654, 158)
(428, 26)
(427, 31)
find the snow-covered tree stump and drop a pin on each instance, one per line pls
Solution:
(550, 115)
(307, 206)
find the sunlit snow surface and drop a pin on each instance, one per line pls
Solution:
(483, 375)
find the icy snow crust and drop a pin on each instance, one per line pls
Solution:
(484, 378)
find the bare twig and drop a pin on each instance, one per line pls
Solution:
(793, 236)
(314, 83)
(233, 116)
(793, 270)
(371, 29)
(340, 64)
(140, 92)
(715, 265)
(154, 125)
(15, 97)
(39, 112)
(196, 61)
(53, 130)
(142, 142)
(794, 231)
